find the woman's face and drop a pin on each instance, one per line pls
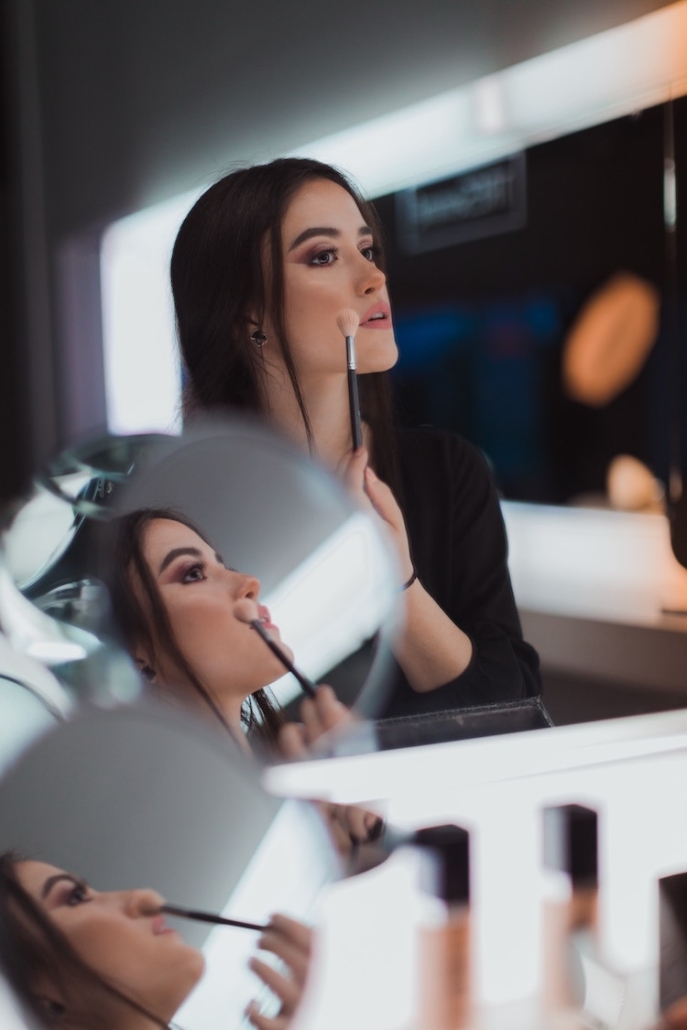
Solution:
(119, 936)
(329, 265)
(202, 598)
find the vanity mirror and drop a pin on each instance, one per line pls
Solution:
(316, 564)
(146, 798)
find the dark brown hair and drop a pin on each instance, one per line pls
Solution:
(218, 275)
(148, 625)
(35, 955)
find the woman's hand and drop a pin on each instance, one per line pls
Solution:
(320, 714)
(291, 942)
(374, 495)
(431, 650)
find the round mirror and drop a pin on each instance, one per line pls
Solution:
(143, 797)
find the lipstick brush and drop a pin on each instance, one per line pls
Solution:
(244, 614)
(208, 917)
(348, 322)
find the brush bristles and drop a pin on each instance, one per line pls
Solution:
(347, 322)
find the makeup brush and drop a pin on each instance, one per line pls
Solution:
(208, 917)
(244, 611)
(348, 323)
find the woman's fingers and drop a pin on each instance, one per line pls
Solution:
(322, 713)
(299, 933)
(292, 741)
(386, 506)
(287, 990)
(279, 1022)
(290, 941)
(295, 957)
(352, 471)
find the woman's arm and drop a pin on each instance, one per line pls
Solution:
(462, 642)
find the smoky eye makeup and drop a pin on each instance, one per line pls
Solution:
(65, 889)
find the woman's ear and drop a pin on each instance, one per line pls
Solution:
(143, 663)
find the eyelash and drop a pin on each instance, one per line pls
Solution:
(191, 568)
(77, 895)
(334, 252)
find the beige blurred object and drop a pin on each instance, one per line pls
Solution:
(610, 340)
(631, 486)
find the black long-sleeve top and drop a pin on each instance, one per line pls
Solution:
(459, 548)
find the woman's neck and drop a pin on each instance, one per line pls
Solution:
(228, 707)
(326, 402)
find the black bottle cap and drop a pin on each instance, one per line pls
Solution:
(451, 848)
(571, 843)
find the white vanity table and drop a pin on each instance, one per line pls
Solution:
(593, 588)
(627, 770)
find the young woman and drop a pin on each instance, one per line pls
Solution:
(81, 959)
(181, 611)
(262, 266)
(177, 605)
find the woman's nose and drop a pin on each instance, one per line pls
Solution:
(371, 278)
(142, 902)
(249, 586)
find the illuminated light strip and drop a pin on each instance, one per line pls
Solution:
(614, 73)
(605, 76)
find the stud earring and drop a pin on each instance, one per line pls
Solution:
(258, 337)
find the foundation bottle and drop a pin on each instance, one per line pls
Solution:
(580, 989)
(569, 911)
(444, 934)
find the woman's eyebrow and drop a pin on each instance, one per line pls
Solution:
(174, 553)
(325, 230)
(57, 878)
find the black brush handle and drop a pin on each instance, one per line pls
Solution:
(354, 404)
(307, 685)
(208, 917)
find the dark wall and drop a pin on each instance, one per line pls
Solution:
(147, 98)
(481, 324)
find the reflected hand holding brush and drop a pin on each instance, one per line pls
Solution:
(247, 611)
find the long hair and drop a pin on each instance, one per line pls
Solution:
(36, 956)
(218, 275)
(147, 624)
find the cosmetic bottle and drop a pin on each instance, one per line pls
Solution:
(444, 995)
(580, 989)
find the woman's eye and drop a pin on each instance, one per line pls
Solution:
(194, 574)
(78, 895)
(324, 257)
(371, 252)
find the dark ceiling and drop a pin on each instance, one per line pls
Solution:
(145, 98)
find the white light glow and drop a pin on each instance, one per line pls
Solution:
(334, 601)
(142, 368)
(54, 652)
(605, 76)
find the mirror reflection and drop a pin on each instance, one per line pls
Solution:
(166, 805)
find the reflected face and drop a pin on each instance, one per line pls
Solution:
(329, 265)
(203, 599)
(118, 936)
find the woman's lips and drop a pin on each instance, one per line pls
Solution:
(377, 317)
(264, 616)
(159, 926)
